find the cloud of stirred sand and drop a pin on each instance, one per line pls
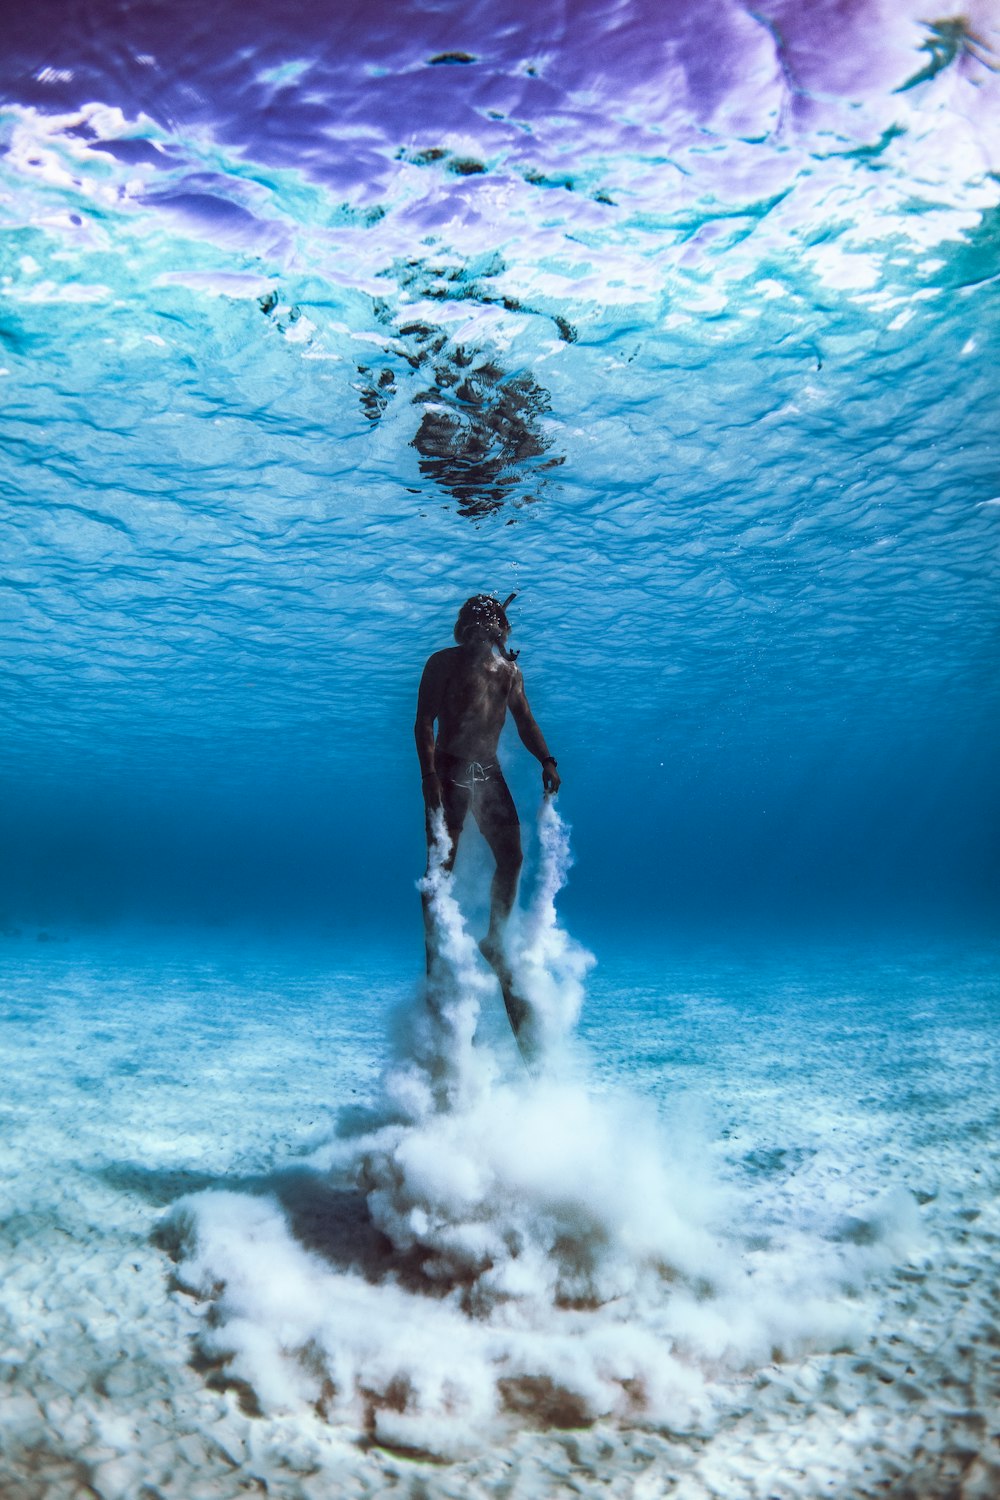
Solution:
(543, 1253)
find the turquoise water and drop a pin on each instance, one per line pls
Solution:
(679, 320)
(307, 336)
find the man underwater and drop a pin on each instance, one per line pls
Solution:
(468, 689)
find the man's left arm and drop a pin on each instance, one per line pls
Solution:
(531, 736)
(423, 731)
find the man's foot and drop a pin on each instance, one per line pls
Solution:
(518, 1010)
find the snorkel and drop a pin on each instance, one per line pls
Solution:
(502, 647)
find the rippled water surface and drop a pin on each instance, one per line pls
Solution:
(678, 319)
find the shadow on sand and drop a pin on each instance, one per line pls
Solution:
(326, 1218)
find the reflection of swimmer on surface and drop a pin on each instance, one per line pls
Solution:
(468, 689)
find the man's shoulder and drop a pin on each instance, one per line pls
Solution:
(441, 661)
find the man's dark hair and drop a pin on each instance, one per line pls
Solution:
(481, 615)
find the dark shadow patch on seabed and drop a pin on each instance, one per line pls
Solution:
(328, 1218)
(325, 1218)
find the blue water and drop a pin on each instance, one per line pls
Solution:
(679, 320)
(699, 358)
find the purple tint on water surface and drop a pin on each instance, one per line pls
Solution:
(329, 89)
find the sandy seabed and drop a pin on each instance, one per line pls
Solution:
(139, 1076)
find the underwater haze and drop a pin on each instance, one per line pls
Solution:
(679, 321)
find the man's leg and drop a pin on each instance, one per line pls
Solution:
(494, 811)
(496, 815)
(455, 804)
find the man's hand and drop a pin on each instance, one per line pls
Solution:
(432, 789)
(551, 780)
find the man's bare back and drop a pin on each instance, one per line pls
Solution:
(467, 691)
